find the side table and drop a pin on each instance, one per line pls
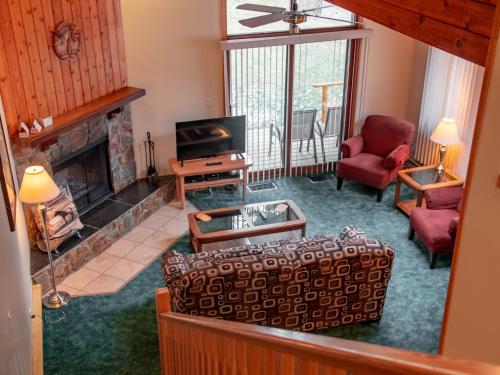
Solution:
(421, 179)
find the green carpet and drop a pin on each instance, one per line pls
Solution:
(116, 334)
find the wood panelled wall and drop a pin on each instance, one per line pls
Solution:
(34, 82)
(460, 27)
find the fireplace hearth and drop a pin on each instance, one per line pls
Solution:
(87, 174)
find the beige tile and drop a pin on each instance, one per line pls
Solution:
(71, 291)
(143, 254)
(169, 211)
(124, 269)
(139, 234)
(175, 226)
(102, 262)
(104, 284)
(121, 247)
(176, 203)
(160, 240)
(182, 217)
(155, 221)
(81, 278)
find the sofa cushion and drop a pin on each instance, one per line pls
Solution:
(366, 168)
(446, 197)
(433, 228)
(352, 233)
(176, 265)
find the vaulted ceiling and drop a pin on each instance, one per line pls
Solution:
(460, 27)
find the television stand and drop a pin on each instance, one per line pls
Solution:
(210, 166)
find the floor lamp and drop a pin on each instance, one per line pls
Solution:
(38, 188)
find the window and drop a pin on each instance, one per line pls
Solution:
(292, 89)
(332, 11)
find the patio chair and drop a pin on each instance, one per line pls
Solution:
(302, 128)
(331, 128)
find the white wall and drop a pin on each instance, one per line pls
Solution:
(172, 52)
(394, 75)
(15, 294)
(473, 326)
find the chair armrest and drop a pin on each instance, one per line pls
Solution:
(452, 229)
(443, 198)
(352, 146)
(397, 157)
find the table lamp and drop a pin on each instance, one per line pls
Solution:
(445, 134)
(38, 188)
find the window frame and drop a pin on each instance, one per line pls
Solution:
(352, 75)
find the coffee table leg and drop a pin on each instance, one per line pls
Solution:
(303, 231)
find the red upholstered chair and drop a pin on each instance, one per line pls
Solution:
(375, 157)
(437, 224)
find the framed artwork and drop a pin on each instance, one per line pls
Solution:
(7, 180)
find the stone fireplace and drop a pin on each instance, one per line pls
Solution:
(95, 158)
(86, 173)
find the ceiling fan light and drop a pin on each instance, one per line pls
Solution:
(294, 29)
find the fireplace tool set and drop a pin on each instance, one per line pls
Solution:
(149, 151)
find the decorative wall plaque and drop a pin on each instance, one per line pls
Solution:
(67, 40)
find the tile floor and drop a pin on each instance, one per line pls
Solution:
(110, 271)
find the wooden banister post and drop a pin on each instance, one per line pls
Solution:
(162, 306)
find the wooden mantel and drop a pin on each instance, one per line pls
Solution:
(71, 119)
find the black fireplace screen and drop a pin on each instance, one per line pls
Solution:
(87, 174)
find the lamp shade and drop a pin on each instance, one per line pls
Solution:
(446, 133)
(37, 186)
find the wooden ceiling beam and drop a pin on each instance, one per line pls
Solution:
(469, 15)
(448, 25)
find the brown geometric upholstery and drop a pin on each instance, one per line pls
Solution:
(306, 285)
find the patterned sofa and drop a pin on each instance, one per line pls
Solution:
(308, 284)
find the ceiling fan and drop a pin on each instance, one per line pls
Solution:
(294, 16)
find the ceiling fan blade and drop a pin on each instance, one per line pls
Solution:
(260, 8)
(262, 20)
(335, 19)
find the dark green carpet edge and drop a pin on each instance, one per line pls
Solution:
(117, 334)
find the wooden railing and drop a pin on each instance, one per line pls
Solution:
(196, 345)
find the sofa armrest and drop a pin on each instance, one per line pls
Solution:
(443, 198)
(397, 157)
(352, 146)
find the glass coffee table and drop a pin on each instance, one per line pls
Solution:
(421, 179)
(245, 221)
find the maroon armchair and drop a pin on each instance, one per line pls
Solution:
(437, 224)
(375, 157)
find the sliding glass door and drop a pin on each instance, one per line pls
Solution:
(257, 89)
(294, 100)
(318, 96)
(292, 88)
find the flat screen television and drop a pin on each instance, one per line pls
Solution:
(211, 137)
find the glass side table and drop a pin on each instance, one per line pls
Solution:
(421, 179)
